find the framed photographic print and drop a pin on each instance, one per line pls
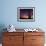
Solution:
(26, 14)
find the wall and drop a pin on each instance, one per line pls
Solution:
(9, 13)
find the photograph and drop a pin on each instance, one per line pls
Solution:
(26, 14)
